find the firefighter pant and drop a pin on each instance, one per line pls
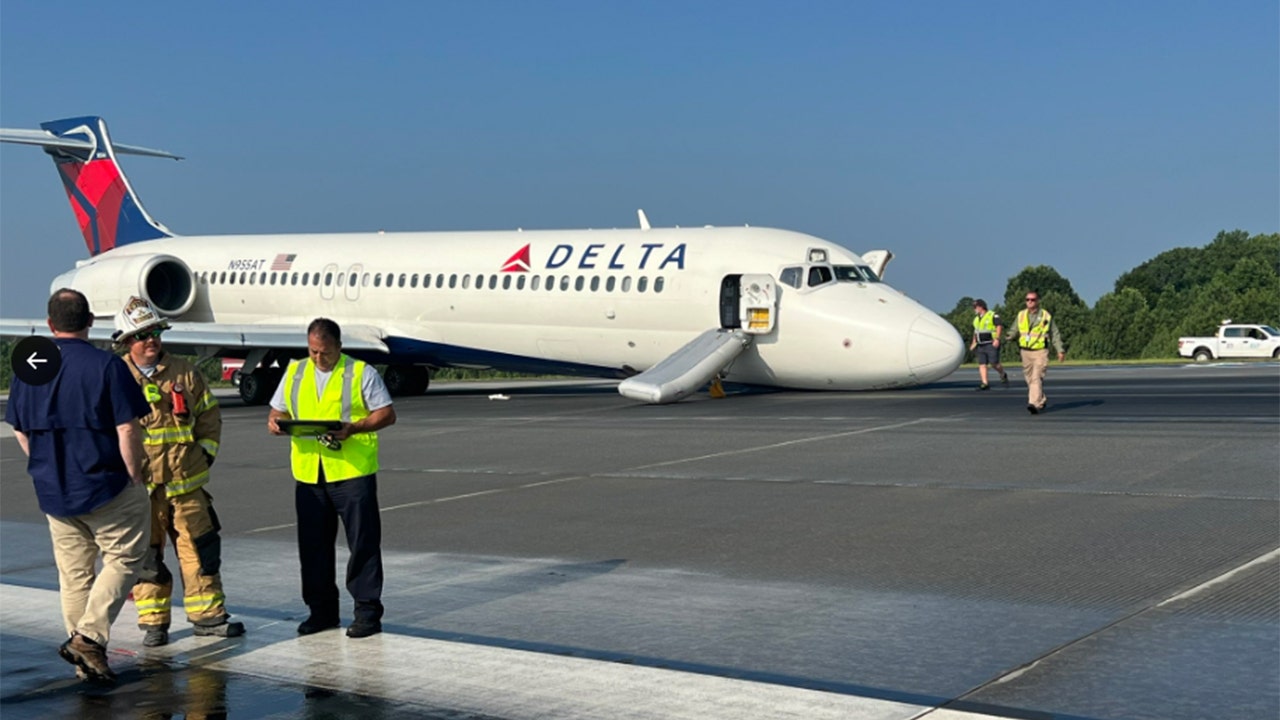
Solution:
(191, 524)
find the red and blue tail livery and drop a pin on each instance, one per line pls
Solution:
(105, 205)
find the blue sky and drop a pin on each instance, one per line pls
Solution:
(970, 138)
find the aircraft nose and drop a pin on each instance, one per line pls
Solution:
(934, 348)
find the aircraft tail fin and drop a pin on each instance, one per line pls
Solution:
(106, 208)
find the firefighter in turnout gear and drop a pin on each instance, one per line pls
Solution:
(181, 438)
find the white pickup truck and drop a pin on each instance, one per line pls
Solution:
(1233, 341)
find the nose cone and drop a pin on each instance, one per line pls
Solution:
(934, 348)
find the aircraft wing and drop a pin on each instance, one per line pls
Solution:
(214, 339)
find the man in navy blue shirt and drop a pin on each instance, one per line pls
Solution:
(81, 434)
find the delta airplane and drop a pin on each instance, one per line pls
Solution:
(666, 309)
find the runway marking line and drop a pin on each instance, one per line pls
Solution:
(758, 448)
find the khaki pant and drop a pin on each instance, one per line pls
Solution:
(190, 523)
(1035, 363)
(118, 531)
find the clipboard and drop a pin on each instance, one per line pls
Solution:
(309, 428)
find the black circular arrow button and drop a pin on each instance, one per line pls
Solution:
(36, 360)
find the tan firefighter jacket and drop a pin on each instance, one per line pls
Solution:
(177, 444)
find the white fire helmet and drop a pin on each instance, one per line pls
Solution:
(137, 315)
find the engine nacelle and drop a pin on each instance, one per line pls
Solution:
(163, 280)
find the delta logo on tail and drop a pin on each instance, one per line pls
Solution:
(595, 257)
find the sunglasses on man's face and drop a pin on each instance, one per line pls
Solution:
(147, 335)
(1033, 299)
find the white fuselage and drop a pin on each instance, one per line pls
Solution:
(608, 302)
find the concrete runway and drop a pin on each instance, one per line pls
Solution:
(568, 553)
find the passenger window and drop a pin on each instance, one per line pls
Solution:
(328, 278)
(252, 279)
(315, 279)
(564, 283)
(506, 282)
(453, 280)
(610, 283)
(304, 279)
(551, 282)
(413, 280)
(520, 283)
(642, 283)
(479, 282)
(658, 284)
(595, 283)
(493, 282)
(466, 280)
(262, 279)
(400, 282)
(377, 280)
(533, 284)
(626, 284)
(579, 283)
(790, 276)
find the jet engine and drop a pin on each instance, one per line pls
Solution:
(163, 280)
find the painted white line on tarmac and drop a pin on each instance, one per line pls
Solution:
(798, 441)
(443, 675)
(1265, 557)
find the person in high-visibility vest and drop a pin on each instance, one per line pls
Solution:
(336, 476)
(181, 435)
(1034, 330)
(987, 329)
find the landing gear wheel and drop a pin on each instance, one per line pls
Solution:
(257, 387)
(406, 380)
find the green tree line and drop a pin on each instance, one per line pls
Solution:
(1184, 291)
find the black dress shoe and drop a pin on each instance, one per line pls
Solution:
(364, 628)
(1033, 409)
(314, 625)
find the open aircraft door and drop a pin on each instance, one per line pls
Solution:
(748, 306)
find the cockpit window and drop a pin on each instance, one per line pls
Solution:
(820, 275)
(848, 273)
(791, 276)
(871, 274)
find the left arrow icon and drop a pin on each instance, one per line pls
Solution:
(36, 360)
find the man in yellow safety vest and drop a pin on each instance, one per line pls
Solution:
(985, 345)
(336, 476)
(1035, 328)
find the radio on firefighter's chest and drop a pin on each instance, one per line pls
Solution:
(166, 396)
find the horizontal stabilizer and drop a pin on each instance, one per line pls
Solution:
(46, 139)
(687, 369)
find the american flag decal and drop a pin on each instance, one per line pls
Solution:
(282, 262)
